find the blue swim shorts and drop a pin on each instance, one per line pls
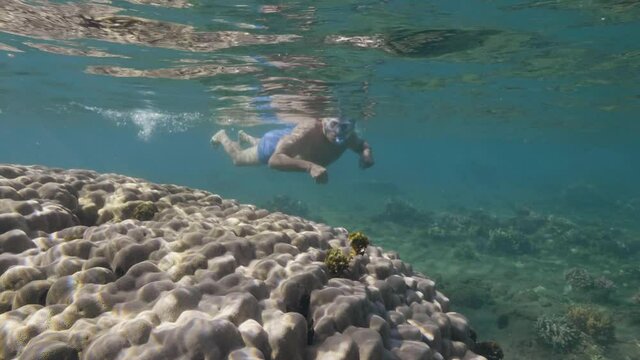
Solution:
(268, 143)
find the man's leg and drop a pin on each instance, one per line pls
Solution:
(243, 136)
(239, 156)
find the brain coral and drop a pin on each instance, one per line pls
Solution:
(88, 272)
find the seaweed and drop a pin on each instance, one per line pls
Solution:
(358, 242)
(337, 262)
(144, 211)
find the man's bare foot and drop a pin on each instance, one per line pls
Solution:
(216, 139)
(243, 136)
(246, 138)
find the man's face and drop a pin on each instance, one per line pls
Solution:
(337, 130)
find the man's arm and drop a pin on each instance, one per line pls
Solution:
(284, 162)
(362, 148)
(284, 158)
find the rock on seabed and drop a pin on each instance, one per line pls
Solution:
(84, 276)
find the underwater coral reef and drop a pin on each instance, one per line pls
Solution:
(541, 284)
(104, 266)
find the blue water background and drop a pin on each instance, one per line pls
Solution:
(548, 105)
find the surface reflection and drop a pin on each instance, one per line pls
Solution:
(419, 43)
(163, 3)
(178, 73)
(70, 21)
(605, 10)
(72, 51)
(5, 47)
(276, 98)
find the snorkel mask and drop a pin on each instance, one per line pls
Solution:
(337, 130)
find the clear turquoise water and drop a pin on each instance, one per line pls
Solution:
(525, 100)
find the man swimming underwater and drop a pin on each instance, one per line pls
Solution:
(309, 146)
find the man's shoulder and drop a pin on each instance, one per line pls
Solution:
(308, 124)
(307, 128)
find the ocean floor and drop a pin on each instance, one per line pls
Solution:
(542, 285)
(105, 266)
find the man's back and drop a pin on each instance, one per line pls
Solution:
(308, 142)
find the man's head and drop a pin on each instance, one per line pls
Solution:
(337, 130)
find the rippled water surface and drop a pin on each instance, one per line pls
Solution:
(499, 105)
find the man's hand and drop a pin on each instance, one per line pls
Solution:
(366, 160)
(319, 174)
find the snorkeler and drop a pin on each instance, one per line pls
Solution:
(309, 146)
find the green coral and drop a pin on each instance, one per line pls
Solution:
(336, 261)
(591, 321)
(358, 242)
(144, 211)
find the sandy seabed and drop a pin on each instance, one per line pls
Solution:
(104, 266)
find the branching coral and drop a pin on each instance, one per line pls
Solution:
(603, 282)
(581, 323)
(509, 240)
(454, 227)
(595, 289)
(591, 321)
(557, 332)
(579, 278)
